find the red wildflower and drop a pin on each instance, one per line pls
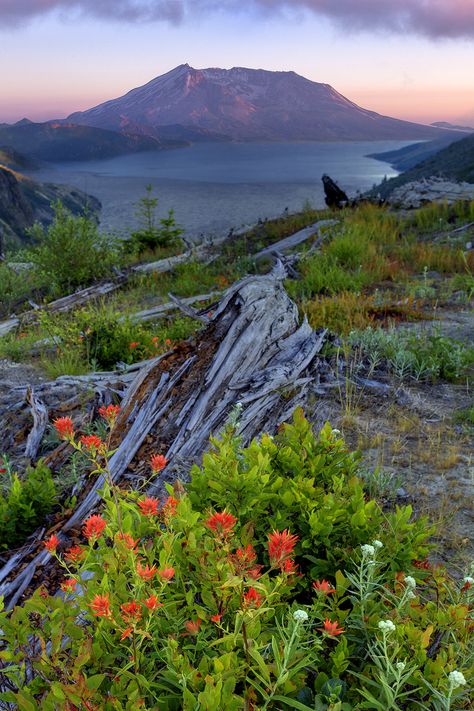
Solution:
(158, 462)
(322, 586)
(221, 523)
(166, 573)
(149, 506)
(193, 626)
(69, 585)
(146, 572)
(254, 572)
(422, 564)
(155, 339)
(109, 413)
(152, 602)
(331, 628)
(64, 427)
(128, 541)
(252, 597)
(134, 344)
(100, 606)
(169, 507)
(246, 555)
(51, 543)
(289, 567)
(167, 341)
(75, 554)
(131, 611)
(126, 633)
(92, 442)
(94, 526)
(216, 618)
(280, 546)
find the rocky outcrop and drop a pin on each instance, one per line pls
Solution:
(433, 189)
(24, 201)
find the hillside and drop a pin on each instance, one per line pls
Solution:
(24, 201)
(249, 470)
(455, 162)
(57, 141)
(408, 157)
(246, 105)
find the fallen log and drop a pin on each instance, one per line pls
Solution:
(253, 351)
(288, 243)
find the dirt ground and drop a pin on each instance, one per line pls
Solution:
(409, 430)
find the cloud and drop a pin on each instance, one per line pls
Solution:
(431, 18)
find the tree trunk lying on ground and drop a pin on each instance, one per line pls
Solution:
(253, 350)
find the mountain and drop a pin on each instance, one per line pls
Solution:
(63, 141)
(24, 201)
(455, 127)
(455, 162)
(245, 105)
(405, 158)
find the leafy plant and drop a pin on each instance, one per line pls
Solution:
(25, 503)
(71, 252)
(153, 232)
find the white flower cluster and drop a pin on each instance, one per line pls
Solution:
(300, 616)
(400, 666)
(410, 582)
(377, 544)
(386, 626)
(456, 678)
(368, 550)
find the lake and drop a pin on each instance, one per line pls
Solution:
(215, 186)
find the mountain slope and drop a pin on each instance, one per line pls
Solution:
(60, 141)
(246, 104)
(24, 201)
(456, 162)
(408, 157)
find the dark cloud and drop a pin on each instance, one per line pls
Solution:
(433, 18)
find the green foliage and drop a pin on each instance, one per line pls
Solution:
(99, 337)
(425, 355)
(71, 252)
(15, 288)
(178, 613)
(24, 504)
(153, 232)
(298, 480)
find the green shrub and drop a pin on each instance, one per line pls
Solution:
(71, 252)
(24, 504)
(153, 232)
(422, 355)
(182, 607)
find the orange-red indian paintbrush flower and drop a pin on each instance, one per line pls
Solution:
(109, 413)
(64, 427)
(158, 462)
(166, 573)
(128, 541)
(149, 506)
(252, 598)
(51, 543)
(280, 546)
(69, 585)
(221, 523)
(193, 626)
(92, 442)
(169, 507)
(75, 554)
(322, 586)
(146, 573)
(131, 611)
(152, 602)
(331, 628)
(94, 526)
(100, 606)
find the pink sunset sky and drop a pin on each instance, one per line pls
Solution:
(411, 59)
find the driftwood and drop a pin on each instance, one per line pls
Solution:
(292, 241)
(162, 310)
(40, 422)
(253, 351)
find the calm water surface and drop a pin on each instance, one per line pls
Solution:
(215, 186)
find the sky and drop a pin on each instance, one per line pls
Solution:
(412, 59)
